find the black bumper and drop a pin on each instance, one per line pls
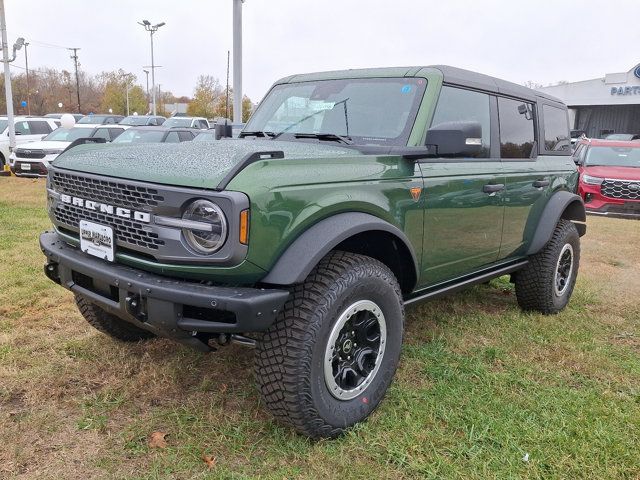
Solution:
(629, 209)
(171, 308)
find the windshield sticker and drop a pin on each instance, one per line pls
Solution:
(405, 88)
(318, 105)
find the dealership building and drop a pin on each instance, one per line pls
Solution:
(610, 104)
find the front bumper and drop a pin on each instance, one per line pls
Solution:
(184, 311)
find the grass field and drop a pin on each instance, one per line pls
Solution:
(481, 385)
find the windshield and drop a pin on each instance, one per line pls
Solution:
(620, 136)
(3, 124)
(205, 137)
(134, 120)
(99, 119)
(613, 156)
(372, 111)
(140, 136)
(68, 134)
(177, 122)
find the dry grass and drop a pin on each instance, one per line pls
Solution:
(480, 384)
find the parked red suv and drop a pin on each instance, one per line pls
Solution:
(609, 176)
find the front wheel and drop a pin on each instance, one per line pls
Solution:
(547, 282)
(327, 361)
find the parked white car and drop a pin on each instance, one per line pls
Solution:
(33, 160)
(200, 123)
(28, 129)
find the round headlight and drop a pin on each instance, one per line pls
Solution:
(210, 235)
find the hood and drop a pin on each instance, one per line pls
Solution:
(623, 173)
(189, 164)
(42, 145)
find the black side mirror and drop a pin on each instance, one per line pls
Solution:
(223, 130)
(455, 139)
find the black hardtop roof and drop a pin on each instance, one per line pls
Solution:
(459, 76)
(451, 75)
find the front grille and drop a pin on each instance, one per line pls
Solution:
(107, 191)
(29, 153)
(623, 189)
(127, 232)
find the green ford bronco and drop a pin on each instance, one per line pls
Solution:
(348, 196)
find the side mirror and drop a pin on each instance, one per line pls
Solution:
(223, 130)
(455, 139)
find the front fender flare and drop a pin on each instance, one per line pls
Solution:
(295, 264)
(562, 204)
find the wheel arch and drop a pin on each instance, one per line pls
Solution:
(562, 205)
(353, 232)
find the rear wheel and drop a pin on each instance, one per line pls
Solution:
(110, 324)
(327, 361)
(547, 282)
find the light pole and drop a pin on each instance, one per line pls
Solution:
(128, 77)
(152, 29)
(237, 61)
(26, 67)
(146, 72)
(7, 83)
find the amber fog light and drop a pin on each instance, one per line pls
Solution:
(210, 232)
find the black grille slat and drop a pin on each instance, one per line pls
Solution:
(107, 191)
(34, 154)
(127, 232)
(622, 189)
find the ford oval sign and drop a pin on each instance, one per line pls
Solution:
(636, 72)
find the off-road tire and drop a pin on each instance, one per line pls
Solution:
(535, 283)
(110, 324)
(289, 359)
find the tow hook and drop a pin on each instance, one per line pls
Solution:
(133, 305)
(51, 271)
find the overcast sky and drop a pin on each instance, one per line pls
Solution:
(540, 40)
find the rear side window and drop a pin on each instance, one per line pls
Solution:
(185, 136)
(556, 129)
(459, 105)
(102, 133)
(172, 137)
(23, 128)
(517, 132)
(114, 132)
(39, 127)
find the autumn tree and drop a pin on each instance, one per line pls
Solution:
(115, 86)
(205, 96)
(221, 106)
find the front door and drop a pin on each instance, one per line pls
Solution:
(463, 196)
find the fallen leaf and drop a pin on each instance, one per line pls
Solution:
(210, 460)
(158, 440)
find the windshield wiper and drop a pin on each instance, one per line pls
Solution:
(332, 137)
(257, 133)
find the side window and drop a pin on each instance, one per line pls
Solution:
(203, 124)
(457, 105)
(114, 132)
(39, 127)
(578, 151)
(22, 128)
(102, 133)
(517, 133)
(185, 136)
(172, 137)
(556, 129)
(159, 120)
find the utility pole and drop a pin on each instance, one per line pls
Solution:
(26, 65)
(74, 57)
(237, 61)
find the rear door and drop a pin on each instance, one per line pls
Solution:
(463, 196)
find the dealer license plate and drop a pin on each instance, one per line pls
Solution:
(96, 240)
(25, 166)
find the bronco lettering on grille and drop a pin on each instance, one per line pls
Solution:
(105, 208)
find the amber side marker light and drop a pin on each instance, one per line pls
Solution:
(244, 227)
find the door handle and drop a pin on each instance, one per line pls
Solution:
(493, 188)
(541, 183)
